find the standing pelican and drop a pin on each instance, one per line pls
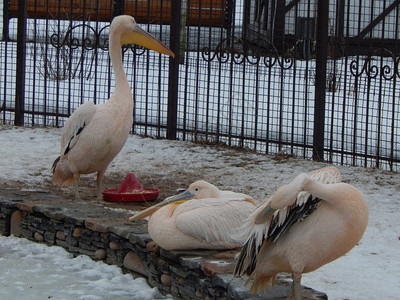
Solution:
(203, 217)
(94, 134)
(306, 224)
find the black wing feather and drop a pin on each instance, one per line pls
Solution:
(72, 137)
(53, 168)
(297, 213)
(249, 251)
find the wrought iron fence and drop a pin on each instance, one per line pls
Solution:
(312, 79)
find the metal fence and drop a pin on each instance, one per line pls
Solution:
(313, 79)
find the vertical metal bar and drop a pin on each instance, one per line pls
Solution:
(334, 76)
(146, 94)
(160, 72)
(182, 38)
(381, 101)
(357, 100)
(256, 106)
(279, 25)
(242, 135)
(346, 95)
(21, 62)
(71, 71)
(340, 20)
(310, 10)
(320, 80)
(6, 20)
(246, 18)
(173, 78)
(393, 133)
(59, 72)
(46, 66)
(196, 114)
(119, 7)
(370, 86)
(185, 98)
(35, 34)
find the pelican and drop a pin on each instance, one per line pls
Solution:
(202, 217)
(306, 224)
(94, 134)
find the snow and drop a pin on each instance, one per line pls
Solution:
(370, 271)
(36, 271)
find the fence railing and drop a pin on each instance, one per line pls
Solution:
(312, 79)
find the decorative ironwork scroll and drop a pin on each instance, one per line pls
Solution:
(239, 51)
(73, 48)
(370, 69)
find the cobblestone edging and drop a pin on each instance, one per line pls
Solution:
(90, 229)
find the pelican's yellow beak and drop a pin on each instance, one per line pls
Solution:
(177, 199)
(142, 38)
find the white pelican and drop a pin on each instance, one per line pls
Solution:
(306, 224)
(94, 134)
(203, 217)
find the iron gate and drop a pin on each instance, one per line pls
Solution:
(313, 79)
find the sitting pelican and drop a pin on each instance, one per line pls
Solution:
(306, 224)
(94, 134)
(202, 217)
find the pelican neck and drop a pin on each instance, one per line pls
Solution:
(115, 53)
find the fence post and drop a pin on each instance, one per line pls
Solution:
(119, 7)
(173, 78)
(6, 20)
(320, 80)
(21, 62)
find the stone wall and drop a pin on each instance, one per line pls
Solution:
(91, 229)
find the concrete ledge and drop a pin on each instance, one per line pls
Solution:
(91, 229)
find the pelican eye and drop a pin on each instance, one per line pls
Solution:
(196, 189)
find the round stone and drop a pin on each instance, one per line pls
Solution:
(60, 235)
(114, 245)
(15, 223)
(100, 254)
(166, 279)
(77, 232)
(39, 237)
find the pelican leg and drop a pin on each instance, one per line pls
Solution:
(99, 185)
(297, 289)
(76, 185)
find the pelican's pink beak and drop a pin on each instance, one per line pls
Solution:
(177, 199)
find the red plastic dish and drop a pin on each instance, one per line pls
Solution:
(111, 195)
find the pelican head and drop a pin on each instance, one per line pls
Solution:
(202, 189)
(283, 197)
(197, 190)
(131, 33)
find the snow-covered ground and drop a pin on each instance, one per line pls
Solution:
(36, 271)
(370, 271)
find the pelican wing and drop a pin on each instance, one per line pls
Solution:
(75, 124)
(213, 219)
(280, 222)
